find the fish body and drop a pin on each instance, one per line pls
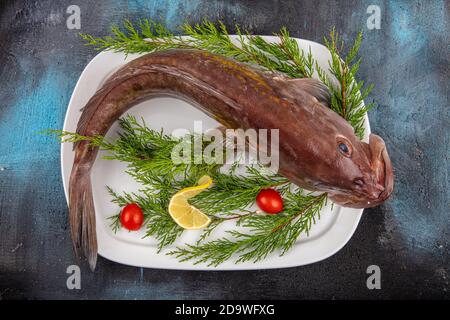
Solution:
(318, 149)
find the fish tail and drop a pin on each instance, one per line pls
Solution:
(82, 213)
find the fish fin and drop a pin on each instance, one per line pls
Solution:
(315, 88)
(82, 214)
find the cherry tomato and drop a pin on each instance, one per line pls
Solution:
(270, 201)
(132, 217)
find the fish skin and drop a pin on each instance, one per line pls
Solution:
(237, 96)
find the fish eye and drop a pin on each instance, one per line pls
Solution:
(344, 148)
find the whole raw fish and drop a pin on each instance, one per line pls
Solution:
(318, 149)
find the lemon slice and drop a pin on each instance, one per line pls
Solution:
(186, 215)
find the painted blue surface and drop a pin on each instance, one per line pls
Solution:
(408, 237)
(417, 99)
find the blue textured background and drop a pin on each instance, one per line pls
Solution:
(408, 236)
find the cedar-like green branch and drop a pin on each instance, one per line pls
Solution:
(156, 219)
(268, 233)
(347, 97)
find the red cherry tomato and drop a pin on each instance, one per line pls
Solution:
(132, 217)
(270, 201)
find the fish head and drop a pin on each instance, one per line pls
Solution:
(362, 174)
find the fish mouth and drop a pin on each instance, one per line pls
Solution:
(382, 178)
